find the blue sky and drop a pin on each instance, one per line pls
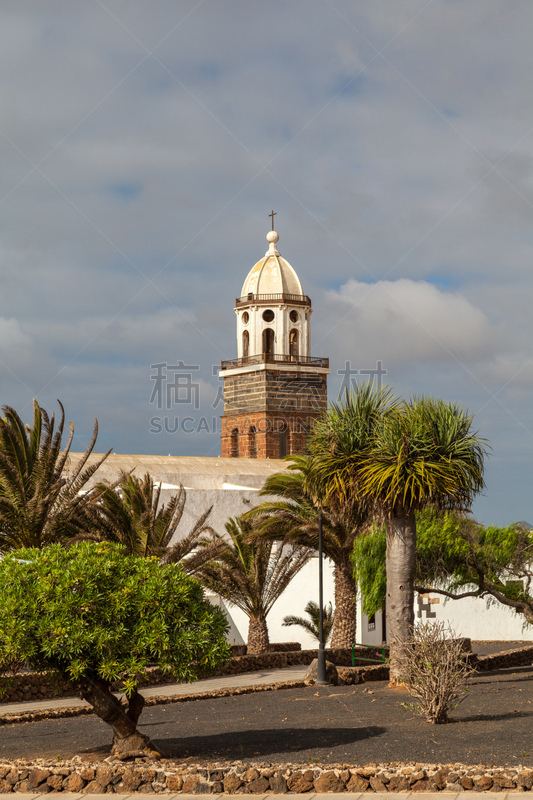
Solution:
(143, 146)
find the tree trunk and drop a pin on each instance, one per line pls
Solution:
(257, 636)
(400, 562)
(344, 623)
(127, 741)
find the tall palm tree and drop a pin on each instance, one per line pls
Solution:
(251, 574)
(129, 512)
(41, 501)
(312, 624)
(293, 518)
(425, 454)
(408, 456)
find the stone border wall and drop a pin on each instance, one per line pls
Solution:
(274, 647)
(521, 657)
(26, 686)
(43, 776)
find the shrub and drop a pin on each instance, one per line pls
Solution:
(435, 670)
(98, 615)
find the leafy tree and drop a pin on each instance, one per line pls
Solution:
(294, 518)
(461, 558)
(312, 625)
(369, 559)
(107, 616)
(456, 557)
(129, 512)
(40, 500)
(251, 574)
(401, 458)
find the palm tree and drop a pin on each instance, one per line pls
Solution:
(312, 625)
(409, 456)
(293, 518)
(40, 501)
(425, 454)
(251, 574)
(129, 512)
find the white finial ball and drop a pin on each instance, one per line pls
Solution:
(272, 237)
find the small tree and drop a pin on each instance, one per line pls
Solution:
(98, 615)
(433, 667)
(251, 574)
(312, 625)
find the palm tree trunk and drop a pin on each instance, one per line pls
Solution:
(400, 563)
(344, 623)
(257, 636)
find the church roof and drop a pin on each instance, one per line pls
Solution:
(272, 274)
(191, 471)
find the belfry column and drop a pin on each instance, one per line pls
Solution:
(274, 390)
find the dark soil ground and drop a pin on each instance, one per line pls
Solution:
(347, 724)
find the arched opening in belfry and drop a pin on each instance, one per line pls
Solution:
(234, 449)
(252, 443)
(245, 344)
(293, 343)
(268, 342)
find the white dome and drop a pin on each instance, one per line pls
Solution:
(272, 274)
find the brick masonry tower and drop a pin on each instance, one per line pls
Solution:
(274, 389)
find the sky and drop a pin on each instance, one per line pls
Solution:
(143, 146)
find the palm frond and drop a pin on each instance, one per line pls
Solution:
(39, 504)
(312, 625)
(250, 573)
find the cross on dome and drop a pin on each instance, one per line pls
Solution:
(272, 274)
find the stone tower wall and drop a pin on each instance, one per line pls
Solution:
(280, 405)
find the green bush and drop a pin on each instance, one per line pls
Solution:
(98, 615)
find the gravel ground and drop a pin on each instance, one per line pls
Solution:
(355, 724)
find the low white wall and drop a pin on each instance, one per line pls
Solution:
(474, 617)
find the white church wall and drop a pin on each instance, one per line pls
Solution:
(221, 483)
(370, 631)
(225, 503)
(468, 617)
(231, 502)
(234, 634)
(474, 617)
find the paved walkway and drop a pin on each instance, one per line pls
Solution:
(174, 689)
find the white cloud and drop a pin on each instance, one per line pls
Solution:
(12, 337)
(406, 320)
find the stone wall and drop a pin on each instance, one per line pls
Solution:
(274, 647)
(45, 776)
(271, 401)
(25, 686)
(521, 657)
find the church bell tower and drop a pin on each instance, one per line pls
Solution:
(274, 389)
